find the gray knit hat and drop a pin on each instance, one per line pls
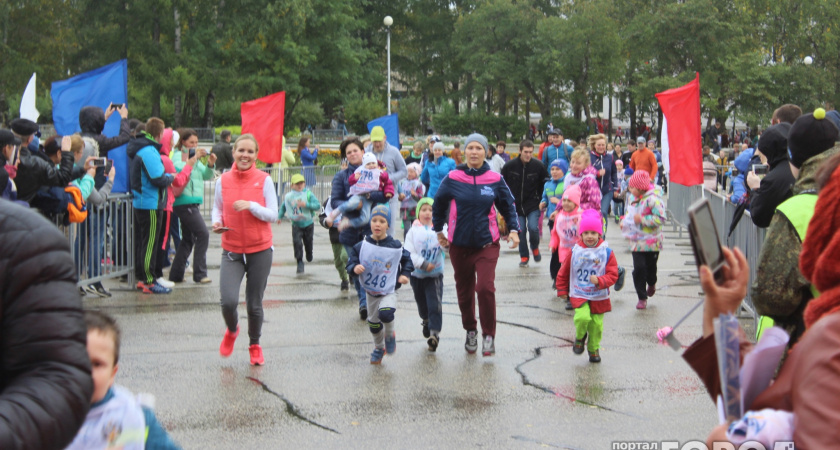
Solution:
(475, 137)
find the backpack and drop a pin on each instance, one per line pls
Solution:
(61, 205)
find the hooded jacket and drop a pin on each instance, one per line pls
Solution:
(775, 188)
(473, 196)
(341, 193)
(92, 122)
(526, 182)
(45, 378)
(435, 171)
(148, 178)
(608, 182)
(739, 186)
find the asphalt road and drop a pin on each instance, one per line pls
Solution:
(318, 390)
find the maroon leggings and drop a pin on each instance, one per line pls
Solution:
(475, 273)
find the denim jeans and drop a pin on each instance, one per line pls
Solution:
(605, 209)
(530, 224)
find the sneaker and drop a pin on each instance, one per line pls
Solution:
(472, 342)
(488, 347)
(391, 343)
(165, 283)
(376, 356)
(146, 288)
(642, 304)
(256, 353)
(594, 357)
(578, 347)
(363, 313)
(309, 257)
(523, 261)
(426, 332)
(205, 280)
(569, 306)
(537, 256)
(157, 288)
(300, 266)
(98, 289)
(651, 290)
(82, 291)
(345, 285)
(616, 220)
(227, 342)
(433, 342)
(620, 283)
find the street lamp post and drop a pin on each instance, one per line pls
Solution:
(388, 21)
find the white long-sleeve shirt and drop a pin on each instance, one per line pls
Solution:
(267, 213)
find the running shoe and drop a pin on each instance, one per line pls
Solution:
(426, 332)
(227, 342)
(98, 289)
(376, 356)
(433, 342)
(256, 355)
(165, 283)
(488, 347)
(472, 342)
(537, 256)
(345, 285)
(157, 288)
(620, 283)
(651, 290)
(642, 304)
(523, 261)
(594, 357)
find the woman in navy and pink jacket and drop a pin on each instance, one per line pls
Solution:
(472, 194)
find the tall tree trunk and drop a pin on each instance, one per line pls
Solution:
(516, 103)
(659, 116)
(503, 100)
(177, 103)
(457, 97)
(209, 108)
(195, 109)
(609, 118)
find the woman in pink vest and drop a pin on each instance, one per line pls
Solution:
(243, 210)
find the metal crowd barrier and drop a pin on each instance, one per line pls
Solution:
(746, 236)
(318, 180)
(206, 134)
(102, 245)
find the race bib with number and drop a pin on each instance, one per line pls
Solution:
(367, 180)
(566, 226)
(427, 244)
(585, 263)
(382, 266)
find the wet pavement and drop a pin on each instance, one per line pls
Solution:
(318, 390)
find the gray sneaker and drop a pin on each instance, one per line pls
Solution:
(488, 347)
(472, 342)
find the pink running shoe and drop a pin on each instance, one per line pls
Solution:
(256, 355)
(227, 342)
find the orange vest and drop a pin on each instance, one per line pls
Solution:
(247, 233)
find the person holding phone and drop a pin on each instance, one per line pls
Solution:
(9, 158)
(642, 224)
(187, 207)
(244, 208)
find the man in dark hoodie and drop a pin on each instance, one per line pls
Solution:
(148, 184)
(92, 121)
(769, 192)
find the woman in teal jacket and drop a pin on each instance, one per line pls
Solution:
(435, 171)
(187, 208)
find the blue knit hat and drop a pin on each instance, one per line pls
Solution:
(561, 164)
(381, 211)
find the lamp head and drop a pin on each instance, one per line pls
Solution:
(388, 21)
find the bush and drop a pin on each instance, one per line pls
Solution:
(306, 113)
(572, 129)
(409, 115)
(359, 111)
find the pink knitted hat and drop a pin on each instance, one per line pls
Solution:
(572, 194)
(640, 180)
(591, 221)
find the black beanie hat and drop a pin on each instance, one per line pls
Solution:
(811, 135)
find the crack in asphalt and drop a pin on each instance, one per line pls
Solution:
(544, 444)
(527, 382)
(290, 408)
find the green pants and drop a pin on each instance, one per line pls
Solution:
(591, 324)
(340, 261)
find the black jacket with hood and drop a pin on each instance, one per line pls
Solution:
(92, 122)
(35, 173)
(45, 376)
(777, 185)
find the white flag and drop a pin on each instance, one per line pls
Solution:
(666, 149)
(27, 102)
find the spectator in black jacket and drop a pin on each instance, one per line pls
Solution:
(777, 186)
(92, 121)
(45, 375)
(223, 152)
(525, 177)
(36, 172)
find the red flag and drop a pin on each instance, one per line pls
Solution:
(263, 118)
(681, 108)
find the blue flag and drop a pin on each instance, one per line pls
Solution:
(99, 87)
(391, 125)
